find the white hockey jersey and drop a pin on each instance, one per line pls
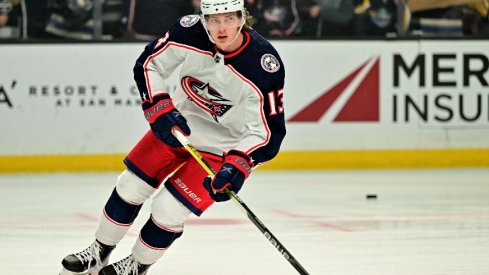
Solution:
(230, 100)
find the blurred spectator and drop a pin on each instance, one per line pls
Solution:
(10, 19)
(37, 17)
(149, 19)
(274, 18)
(374, 17)
(71, 19)
(308, 18)
(113, 12)
(335, 18)
(439, 18)
(438, 22)
(74, 19)
(476, 19)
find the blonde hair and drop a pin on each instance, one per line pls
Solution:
(248, 20)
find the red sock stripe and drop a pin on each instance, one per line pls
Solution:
(114, 222)
(164, 227)
(149, 246)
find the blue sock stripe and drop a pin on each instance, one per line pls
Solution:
(156, 236)
(133, 168)
(121, 211)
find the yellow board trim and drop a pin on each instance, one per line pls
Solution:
(286, 160)
(61, 163)
(381, 159)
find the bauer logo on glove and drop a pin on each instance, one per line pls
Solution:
(163, 117)
(161, 106)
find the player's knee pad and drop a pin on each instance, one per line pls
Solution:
(132, 189)
(168, 212)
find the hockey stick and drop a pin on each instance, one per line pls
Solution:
(275, 242)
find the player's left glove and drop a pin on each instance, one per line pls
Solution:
(232, 174)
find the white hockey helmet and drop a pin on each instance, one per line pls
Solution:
(220, 6)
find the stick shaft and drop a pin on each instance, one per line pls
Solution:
(263, 229)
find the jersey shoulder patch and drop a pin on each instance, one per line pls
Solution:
(189, 20)
(270, 63)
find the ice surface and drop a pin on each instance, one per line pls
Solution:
(423, 222)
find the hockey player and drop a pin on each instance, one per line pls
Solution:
(228, 102)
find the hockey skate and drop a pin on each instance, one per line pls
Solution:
(88, 261)
(126, 266)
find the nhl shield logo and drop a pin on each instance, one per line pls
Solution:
(189, 20)
(270, 63)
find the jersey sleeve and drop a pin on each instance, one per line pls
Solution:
(156, 63)
(265, 120)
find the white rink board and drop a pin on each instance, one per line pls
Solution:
(81, 98)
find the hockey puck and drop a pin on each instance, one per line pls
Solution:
(371, 196)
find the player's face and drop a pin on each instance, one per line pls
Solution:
(223, 28)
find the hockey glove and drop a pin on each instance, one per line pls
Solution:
(162, 117)
(232, 174)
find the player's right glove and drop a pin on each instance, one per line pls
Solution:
(232, 174)
(163, 117)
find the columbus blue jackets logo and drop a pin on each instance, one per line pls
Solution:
(204, 96)
(189, 20)
(270, 63)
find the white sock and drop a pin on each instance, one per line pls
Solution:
(110, 233)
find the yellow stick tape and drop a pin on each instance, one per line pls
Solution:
(286, 160)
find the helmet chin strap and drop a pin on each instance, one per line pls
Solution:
(202, 18)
